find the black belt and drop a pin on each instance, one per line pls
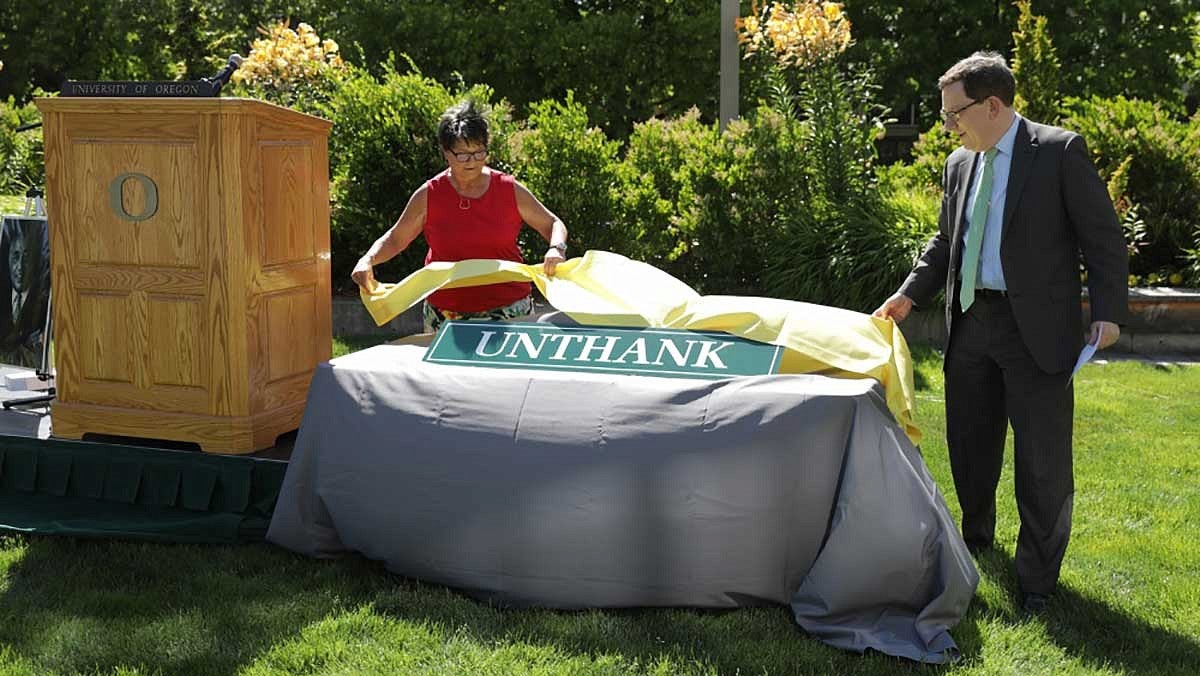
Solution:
(990, 293)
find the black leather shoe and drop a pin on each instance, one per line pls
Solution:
(1035, 603)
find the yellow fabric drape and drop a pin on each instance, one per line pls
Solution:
(607, 289)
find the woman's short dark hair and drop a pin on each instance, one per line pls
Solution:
(983, 74)
(464, 121)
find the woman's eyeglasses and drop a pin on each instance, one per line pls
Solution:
(467, 157)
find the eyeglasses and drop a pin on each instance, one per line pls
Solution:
(467, 157)
(949, 116)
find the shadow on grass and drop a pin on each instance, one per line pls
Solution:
(72, 605)
(760, 638)
(80, 605)
(1088, 629)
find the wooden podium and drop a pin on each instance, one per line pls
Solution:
(190, 267)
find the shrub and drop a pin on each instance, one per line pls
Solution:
(930, 151)
(22, 163)
(656, 200)
(856, 255)
(571, 168)
(765, 179)
(1163, 178)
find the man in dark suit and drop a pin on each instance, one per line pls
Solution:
(1021, 202)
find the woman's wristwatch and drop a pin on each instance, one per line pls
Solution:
(561, 247)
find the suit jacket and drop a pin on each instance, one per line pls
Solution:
(1056, 208)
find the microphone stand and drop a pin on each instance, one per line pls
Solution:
(222, 77)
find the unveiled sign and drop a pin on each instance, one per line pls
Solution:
(652, 352)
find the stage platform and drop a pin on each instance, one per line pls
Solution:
(33, 422)
(107, 486)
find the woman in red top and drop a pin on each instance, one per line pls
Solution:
(469, 211)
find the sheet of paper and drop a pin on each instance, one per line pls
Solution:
(1085, 355)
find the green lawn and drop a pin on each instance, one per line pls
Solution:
(1129, 602)
(12, 204)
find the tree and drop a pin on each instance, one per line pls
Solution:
(1035, 66)
(1137, 48)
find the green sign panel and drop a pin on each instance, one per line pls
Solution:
(647, 352)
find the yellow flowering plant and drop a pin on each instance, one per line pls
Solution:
(291, 67)
(799, 45)
(798, 35)
(840, 225)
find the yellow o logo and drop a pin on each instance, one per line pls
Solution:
(118, 204)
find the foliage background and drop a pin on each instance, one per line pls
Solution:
(606, 108)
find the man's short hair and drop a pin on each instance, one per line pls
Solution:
(983, 74)
(464, 121)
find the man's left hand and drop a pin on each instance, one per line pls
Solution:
(1107, 332)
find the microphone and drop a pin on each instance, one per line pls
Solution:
(222, 77)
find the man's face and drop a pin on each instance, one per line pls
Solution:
(968, 119)
(16, 263)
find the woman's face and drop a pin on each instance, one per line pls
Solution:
(466, 158)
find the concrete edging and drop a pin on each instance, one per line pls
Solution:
(350, 318)
(1162, 320)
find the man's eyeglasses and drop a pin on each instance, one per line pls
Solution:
(949, 116)
(467, 157)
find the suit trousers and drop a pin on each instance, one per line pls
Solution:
(991, 381)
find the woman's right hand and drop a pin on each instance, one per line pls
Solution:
(363, 274)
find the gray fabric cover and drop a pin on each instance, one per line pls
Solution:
(573, 490)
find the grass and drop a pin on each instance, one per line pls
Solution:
(347, 344)
(12, 204)
(1129, 602)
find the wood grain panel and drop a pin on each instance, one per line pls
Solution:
(234, 435)
(151, 399)
(170, 237)
(62, 247)
(131, 278)
(285, 391)
(287, 227)
(286, 276)
(105, 336)
(322, 292)
(177, 339)
(290, 321)
(133, 127)
(275, 120)
(284, 124)
(228, 274)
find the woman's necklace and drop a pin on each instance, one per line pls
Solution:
(464, 202)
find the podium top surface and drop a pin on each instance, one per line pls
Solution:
(165, 105)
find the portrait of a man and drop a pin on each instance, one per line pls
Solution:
(25, 253)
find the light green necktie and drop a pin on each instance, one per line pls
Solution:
(979, 213)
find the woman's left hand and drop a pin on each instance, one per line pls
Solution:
(551, 260)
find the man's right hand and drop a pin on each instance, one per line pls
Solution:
(363, 275)
(895, 308)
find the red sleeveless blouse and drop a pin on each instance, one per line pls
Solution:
(459, 228)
